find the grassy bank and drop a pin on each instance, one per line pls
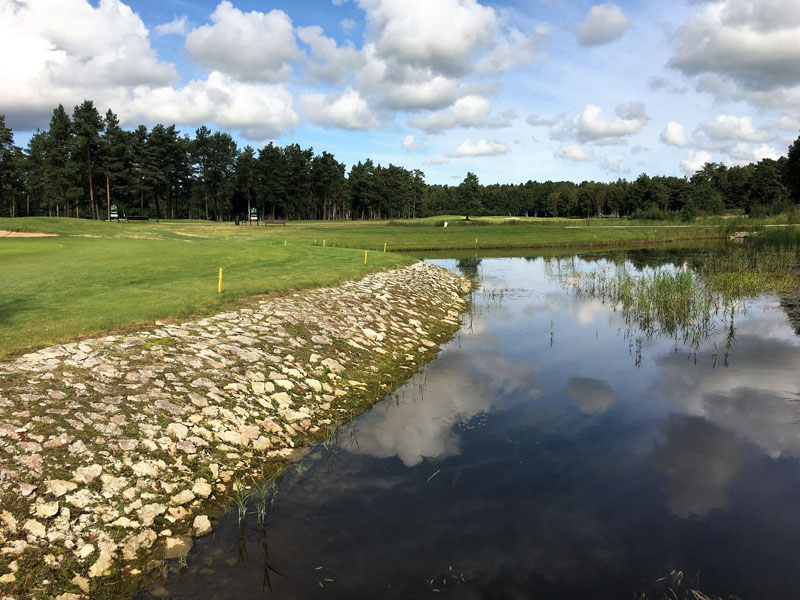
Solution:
(99, 276)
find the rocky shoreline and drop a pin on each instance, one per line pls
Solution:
(115, 451)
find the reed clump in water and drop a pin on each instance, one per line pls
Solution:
(663, 302)
(701, 297)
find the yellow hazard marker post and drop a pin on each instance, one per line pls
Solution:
(323, 243)
(219, 287)
(384, 246)
(365, 256)
(284, 242)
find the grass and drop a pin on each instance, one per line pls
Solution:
(98, 277)
(241, 498)
(62, 288)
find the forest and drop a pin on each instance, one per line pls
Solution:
(86, 162)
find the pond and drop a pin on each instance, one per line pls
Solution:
(552, 450)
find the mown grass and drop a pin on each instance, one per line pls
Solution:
(62, 288)
(419, 234)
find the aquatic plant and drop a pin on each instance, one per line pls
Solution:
(698, 298)
(679, 586)
(241, 499)
(331, 441)
(267, 490)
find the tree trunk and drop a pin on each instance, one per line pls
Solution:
(28, 206)
(108, 198)
(205, 195)
(155, 193)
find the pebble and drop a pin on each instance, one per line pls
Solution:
(135, 420)
(201, 526)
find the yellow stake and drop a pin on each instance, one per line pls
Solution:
(365, 256)
(323, 243)
(384, 246)
(219, 287)
(284, 242)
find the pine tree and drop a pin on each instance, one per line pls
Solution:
(220, 168)
(60, 170)
(35, 171)
(200, 150)
(246, 178)
(791, 175)
(116, 163)
(271, 177)
(469, 195)
(6, 159)
(87, 125)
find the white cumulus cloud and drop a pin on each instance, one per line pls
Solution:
(604, 23)
(259, 112)
(481, 148)
(469, 111)
(729, 127)
(573, 152)
(346, 110)
(410, 143)
(330, 62)
(441, 35)
(674, 134)
(589, 125)
(694, 161)
(252, 46)
(177, 26)
(103, 54)
(752, 44)
(744, 154)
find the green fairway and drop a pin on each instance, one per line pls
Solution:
(60, 288)
(98, 276)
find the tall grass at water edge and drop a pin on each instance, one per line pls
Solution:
(692, 301)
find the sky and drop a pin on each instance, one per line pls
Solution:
(511, 90)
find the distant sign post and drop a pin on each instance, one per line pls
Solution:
(254, 214)
(114, 214)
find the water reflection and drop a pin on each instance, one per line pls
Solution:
(534, 458)
(465, 385)
(591, 396)
(697, 462)
(759, 400)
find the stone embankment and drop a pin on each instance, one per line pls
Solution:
(115, 451)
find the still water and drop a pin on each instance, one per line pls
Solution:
(543, 455)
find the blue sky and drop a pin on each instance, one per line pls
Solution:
(513, 90)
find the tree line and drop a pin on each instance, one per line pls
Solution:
(85, 162)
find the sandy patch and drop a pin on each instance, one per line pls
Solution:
(6, 233)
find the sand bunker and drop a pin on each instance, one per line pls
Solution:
(6, 233)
